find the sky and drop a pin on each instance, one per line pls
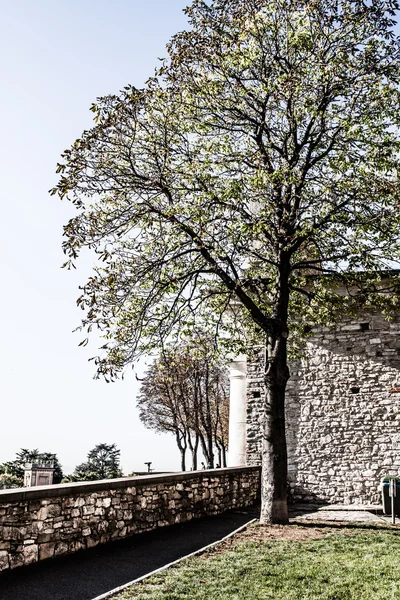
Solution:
(55, 59)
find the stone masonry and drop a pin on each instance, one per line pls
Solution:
(342, 412)
(39, 523)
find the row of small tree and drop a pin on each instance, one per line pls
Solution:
(185, 392)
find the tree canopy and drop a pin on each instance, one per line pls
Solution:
(8, 481)
(103, 462)
(255, 173)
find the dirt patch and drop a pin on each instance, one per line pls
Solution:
(296, 532)
(293, 533)
(262, 533)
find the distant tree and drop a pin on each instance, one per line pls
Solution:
(161, 401)
(220, 407)
(8, 481)
(103, 462)
(185, 392)
(16, 467)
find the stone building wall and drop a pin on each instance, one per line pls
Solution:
(342, 422)
(42, 522)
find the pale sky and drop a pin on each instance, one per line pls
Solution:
(56, 57)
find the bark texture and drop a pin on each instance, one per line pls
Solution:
(274, 461)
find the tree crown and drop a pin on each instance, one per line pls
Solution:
(259, 163)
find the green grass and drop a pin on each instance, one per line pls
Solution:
(356, 565)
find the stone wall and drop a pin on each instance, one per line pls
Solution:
(42, 522)
(343, 423)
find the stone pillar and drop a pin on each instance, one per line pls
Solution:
(237, 411)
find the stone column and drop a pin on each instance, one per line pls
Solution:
(237, 411)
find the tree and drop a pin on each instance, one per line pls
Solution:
(8, 481)
(16, 467)
(163, 401)
(103, 462)
(254, 175)
(185, 392)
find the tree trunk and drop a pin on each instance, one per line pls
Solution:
(209, 429)
(210, 450)
(193, 446)
(194, 453)
(204, 448)
(223, 456)
(182, 445)
(274, 455)
(183, 459)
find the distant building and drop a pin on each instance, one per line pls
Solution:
(38, 474)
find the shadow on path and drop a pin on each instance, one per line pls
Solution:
(90, 573)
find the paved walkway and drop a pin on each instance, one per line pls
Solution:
(85, 575)
(339, 512)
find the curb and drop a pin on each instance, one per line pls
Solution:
(175, 562)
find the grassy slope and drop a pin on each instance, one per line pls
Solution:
(362, 565)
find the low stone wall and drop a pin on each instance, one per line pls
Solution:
(39, 523)
(342, 411)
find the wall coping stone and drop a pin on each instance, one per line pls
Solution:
(87, 487)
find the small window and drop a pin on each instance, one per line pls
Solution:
(256, 394)
(355, 390)
(364, 326)
(379, 353)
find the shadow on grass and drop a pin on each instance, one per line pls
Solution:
(345, 525)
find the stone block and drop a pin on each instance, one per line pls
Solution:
(91, 542)
(77, 523)
(4, 560)
(103, 526)
(60, 548)
(42, 513)
(88, 510)
(30, 554)
(4, 545)
(16, 560)
(68, 502)
(54, 510)
(46, 550)
(43, 538)
(75, 546)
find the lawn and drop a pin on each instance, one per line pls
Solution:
(293, 563)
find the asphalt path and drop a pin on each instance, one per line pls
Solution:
(90, 573)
